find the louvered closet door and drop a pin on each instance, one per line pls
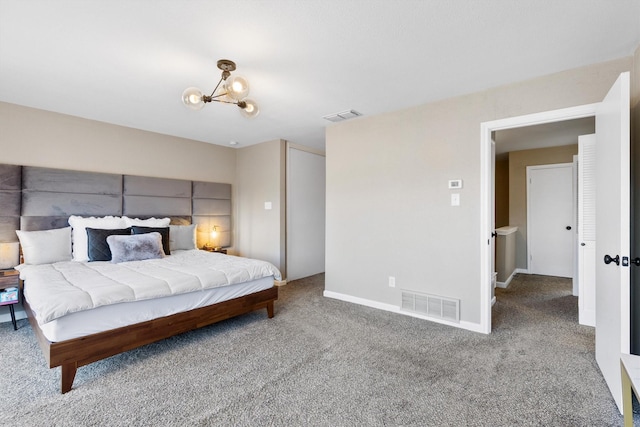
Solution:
(587, 230)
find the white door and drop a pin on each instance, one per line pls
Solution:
(587, 230)
(612, 233)
(550, 235)
(305, 212)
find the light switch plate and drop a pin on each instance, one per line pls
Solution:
(268, 206)
(455, 199)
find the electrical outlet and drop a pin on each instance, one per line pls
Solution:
(392, 282)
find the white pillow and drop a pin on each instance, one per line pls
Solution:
(182, 237)
(47, 246)
(151, 222)
(79, 234)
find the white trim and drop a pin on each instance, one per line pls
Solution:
(505, 284)
(486, 128)
(473, 327)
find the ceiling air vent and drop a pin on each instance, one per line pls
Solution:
(344, 115)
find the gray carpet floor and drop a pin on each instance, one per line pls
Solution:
(322, 362)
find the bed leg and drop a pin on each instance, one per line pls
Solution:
(270, 309)
(68, 375)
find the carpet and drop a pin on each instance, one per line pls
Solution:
(323, 362)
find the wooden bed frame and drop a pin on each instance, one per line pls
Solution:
(73, 353)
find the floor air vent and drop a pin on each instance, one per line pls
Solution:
(432, 306)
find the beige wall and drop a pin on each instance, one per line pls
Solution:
(40, 138)
(261, 178)
(518, 162)
(388, 205)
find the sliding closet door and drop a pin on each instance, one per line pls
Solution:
(305, 212)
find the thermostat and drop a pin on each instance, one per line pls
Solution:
(455, 183)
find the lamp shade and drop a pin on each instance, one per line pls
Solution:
(250, 109)
(9, 254)
(237, 87)
(192, 98)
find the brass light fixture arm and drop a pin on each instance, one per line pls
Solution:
(227, 66)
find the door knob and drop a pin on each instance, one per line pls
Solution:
(636, 261)
(568, 227)
(609, 260)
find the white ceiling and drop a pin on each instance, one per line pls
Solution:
(128, 61)
(543, 136)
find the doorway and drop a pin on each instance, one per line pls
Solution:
(612, 220)
(486, 191)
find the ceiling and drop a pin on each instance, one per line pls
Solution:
(543, 136)
(127, 61)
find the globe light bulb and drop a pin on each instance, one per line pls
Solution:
(192, 98)
(237, 87)
(250, 109)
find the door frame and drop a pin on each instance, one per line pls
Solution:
(486, 192)
(530, 205)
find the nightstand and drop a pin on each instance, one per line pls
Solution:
(212, 249)
(10, 292)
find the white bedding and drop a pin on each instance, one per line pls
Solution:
(60, 289)
(87, 322)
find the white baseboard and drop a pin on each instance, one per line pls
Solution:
(506, 282)
(469, 326)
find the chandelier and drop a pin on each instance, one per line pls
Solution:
(229, 90)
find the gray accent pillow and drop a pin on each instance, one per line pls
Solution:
(136, 247)
(182, 237)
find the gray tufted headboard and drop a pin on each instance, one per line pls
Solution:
(35, 198)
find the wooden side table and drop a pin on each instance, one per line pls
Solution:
(212, 249)
(10, 279)
(630, 370)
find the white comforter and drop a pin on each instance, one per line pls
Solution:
(54, 290)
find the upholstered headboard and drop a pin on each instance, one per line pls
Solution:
(35, 198)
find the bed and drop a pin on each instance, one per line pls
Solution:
(71, 339)
(64, 218)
